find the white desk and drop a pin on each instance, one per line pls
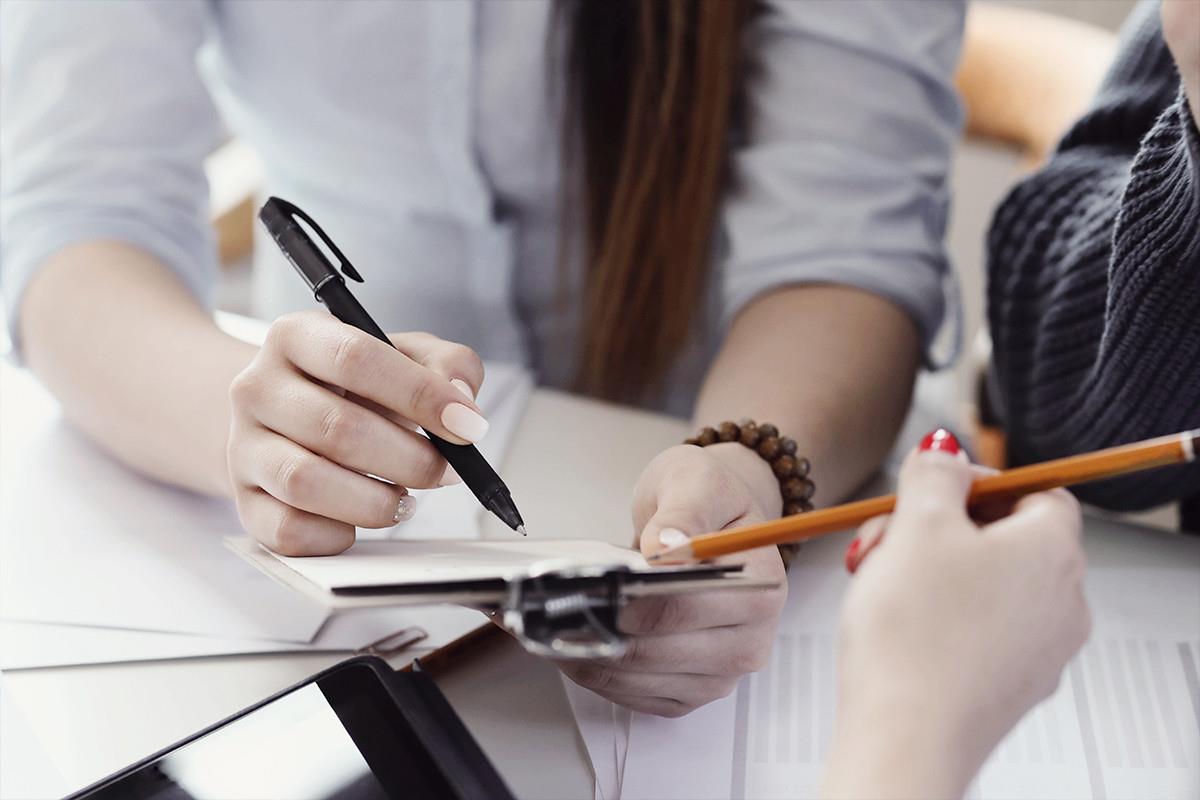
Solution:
(571, 460)
(92, 720)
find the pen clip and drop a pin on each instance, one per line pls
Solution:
(343, 263)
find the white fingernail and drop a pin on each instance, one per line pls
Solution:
(464, 423)
(672, 537)
(464, 387)
(405, 509)
(449, 477)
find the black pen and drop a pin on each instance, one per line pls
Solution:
(280, 219)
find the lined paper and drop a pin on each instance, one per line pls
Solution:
(1123, 723)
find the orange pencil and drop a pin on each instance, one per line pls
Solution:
(1178, 448)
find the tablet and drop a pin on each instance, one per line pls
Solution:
(357, 731)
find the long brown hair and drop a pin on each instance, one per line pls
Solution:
(653, 88)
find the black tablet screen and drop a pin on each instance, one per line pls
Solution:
(341, 737)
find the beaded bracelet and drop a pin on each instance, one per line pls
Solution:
(780, 452)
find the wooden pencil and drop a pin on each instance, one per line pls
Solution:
(1178, 448)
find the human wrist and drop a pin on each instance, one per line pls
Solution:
(888, 749)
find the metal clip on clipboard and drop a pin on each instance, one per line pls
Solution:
(571, 612)
(553, 607)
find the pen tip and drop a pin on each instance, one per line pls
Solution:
(521, 530)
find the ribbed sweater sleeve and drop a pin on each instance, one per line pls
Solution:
(1094, 281)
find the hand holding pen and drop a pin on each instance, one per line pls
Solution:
(324, 433)
(324, 406)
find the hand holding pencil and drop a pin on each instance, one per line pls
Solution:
(1177, 448)
(952, 630)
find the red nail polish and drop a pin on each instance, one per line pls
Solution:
(942, 440)
(851, 553)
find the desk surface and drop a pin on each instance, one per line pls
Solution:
(91, 720)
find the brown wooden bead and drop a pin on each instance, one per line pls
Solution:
(779, 452)
(749, 436)
(783, 466)
(792, 507)
(793, 488)
(768, 446)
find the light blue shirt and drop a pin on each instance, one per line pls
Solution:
(424, 138)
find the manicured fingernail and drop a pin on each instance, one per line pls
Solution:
(405, 509)
(672, 537)
(449, 477)
(464, 423)
(941, 440)
(852, 555)
(464, 387)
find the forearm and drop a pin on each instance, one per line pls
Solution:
(134, 361)
(832, 367)
(887, 756)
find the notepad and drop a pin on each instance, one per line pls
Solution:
(473, 573)
(400, 563)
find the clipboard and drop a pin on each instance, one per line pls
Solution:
(554, 608)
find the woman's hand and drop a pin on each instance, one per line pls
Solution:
(950, 632)
(1181, 30)
(322, 408)
(685, 651)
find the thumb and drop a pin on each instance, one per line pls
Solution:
(934, 483)
(671, 526)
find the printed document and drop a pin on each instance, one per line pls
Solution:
(1124, 723)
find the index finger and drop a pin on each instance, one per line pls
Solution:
(455, 362)
(339, 354)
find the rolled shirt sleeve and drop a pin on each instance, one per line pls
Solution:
(842, 179)
(106, 124)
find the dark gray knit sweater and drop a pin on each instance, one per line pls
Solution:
(1094, 281)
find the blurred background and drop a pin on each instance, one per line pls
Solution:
(1009, 54)
(1029, 68)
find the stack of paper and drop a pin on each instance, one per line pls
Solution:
(98, 563)
(1125, 721)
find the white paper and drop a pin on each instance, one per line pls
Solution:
(604, 728)
(37, 777)
(1125, 721)
(399, 562)
(25, 645)
(86, 542)
(666, 757)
